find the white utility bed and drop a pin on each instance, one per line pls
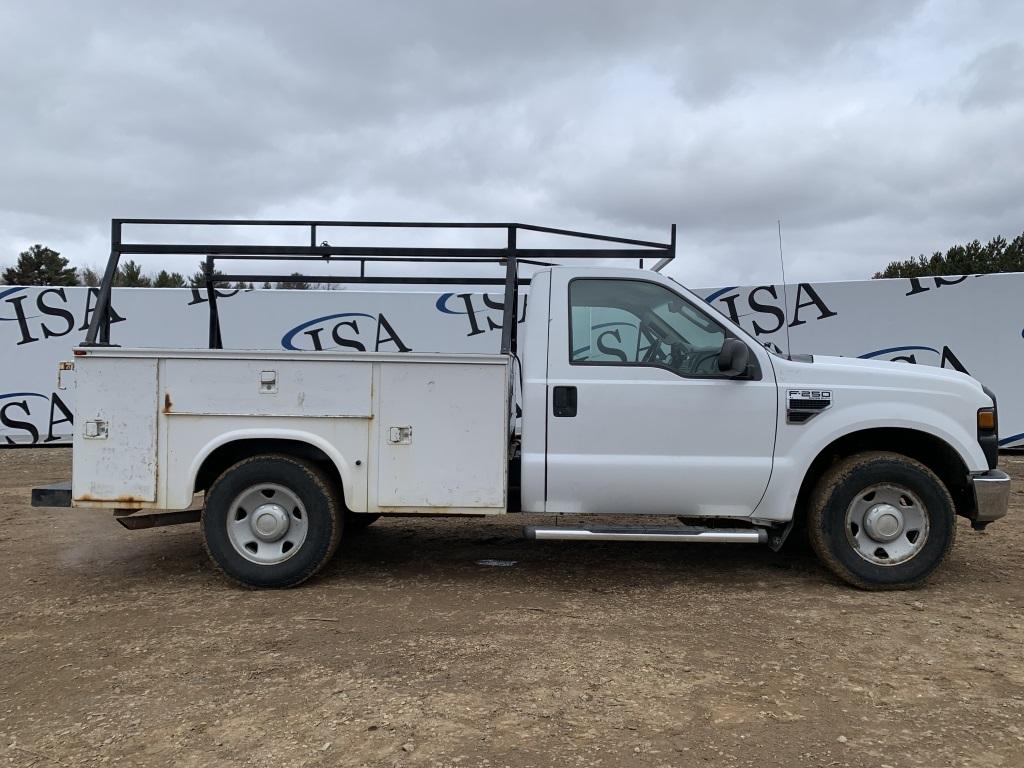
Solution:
(411, 431)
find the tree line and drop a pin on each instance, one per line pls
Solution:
(997, 255)
(40, 265)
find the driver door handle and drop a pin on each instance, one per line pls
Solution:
(563, 401)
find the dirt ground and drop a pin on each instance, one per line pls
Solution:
(121, 647)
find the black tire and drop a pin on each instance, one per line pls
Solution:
(850, 485)
(356, 522)
(319, 505)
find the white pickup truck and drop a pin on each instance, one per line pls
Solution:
(631, 398)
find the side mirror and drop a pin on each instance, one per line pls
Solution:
(734, 359)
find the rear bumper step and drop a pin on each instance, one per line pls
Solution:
(56, 495)
(638, 533)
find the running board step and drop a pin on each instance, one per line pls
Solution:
(640, 533)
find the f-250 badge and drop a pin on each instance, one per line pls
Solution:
(805, 404)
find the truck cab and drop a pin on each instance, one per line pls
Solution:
(636, 400)
(634, 382)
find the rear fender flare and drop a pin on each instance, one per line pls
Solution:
(343, 466)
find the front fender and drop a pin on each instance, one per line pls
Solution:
(798, 445)
(833, 424)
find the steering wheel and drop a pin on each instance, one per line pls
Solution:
(678, 356)
(653, 354)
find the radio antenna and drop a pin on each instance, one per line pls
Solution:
(785, 294)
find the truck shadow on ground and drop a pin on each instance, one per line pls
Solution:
(459, 552)
(464, 551)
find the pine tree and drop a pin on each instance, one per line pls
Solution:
(199, 281)
(165, 279)
(40, 266)
(129, 275)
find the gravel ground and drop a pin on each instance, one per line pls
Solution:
(126, 648)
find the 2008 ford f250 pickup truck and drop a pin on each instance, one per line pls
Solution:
(635, 397)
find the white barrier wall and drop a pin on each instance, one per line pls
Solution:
(971, 323)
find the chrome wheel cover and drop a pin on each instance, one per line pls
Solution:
(887, 524)
(267, 524)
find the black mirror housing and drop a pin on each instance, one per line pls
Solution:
(734, 359)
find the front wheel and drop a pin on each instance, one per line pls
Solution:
(271, 521)
(881, 520)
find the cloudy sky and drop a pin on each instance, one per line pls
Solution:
(875, 129)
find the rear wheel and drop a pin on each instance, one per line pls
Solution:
(881, 520)
(271, 521)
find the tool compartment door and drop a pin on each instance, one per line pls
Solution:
(442, 436)
(115, 439)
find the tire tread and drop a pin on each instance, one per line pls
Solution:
(324, 485)
(830, 480)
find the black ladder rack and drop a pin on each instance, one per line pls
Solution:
(510, 256)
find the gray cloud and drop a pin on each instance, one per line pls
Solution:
(995, 77)
(874, 130)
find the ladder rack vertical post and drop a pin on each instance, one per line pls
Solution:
(669, 250)
(211, 296)
(101, 319)
(511, 313)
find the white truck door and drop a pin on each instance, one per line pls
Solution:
(640, 421)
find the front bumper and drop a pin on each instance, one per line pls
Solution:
(991, 496)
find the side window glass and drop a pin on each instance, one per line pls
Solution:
(604, 334)
(635, 322)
